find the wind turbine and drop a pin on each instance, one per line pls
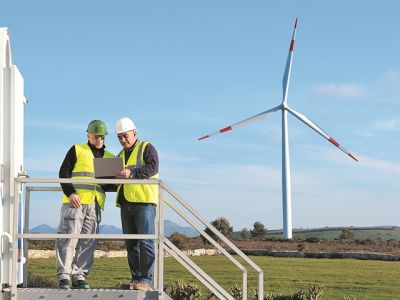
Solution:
(286, 184)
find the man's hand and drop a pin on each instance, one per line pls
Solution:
(123, 174)
(74, 200)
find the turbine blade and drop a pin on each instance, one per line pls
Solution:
(247, 121)
(288, 68)
(319, 130)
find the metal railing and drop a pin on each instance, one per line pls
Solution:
(163, 244)
(226, 241)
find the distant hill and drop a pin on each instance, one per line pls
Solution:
(169, 228)
(44, 228)
(110, 229)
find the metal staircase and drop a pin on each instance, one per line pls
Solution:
(167, 197)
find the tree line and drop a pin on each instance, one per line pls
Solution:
(257, 233)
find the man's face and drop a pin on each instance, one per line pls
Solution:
(96, 140)
(127, 139)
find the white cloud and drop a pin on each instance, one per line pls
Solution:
(380, 165)
(364, 134)
(388, 125)
(344, 90)
(372, 163)
(392, 76)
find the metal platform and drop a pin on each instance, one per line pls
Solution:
(81, 294)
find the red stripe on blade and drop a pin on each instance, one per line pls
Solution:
(334, 142)
(204, 137)
(291, 45)
(225, 129)
(352, 157)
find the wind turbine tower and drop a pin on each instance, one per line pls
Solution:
(286, 183)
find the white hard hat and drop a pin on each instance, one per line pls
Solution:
(124, 125)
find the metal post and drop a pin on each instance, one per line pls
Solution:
(160, 240)
(261, 286)
(14, 234)
(156, 262)
(26, 230)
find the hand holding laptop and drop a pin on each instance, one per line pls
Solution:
(123, 174)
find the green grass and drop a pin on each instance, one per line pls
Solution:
(343, 277)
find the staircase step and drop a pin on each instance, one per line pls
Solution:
(85, 294)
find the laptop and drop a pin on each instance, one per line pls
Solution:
(107, 167)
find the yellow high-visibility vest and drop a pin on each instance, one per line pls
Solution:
(138, 193)
(84, 169)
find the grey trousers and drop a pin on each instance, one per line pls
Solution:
(75, 256)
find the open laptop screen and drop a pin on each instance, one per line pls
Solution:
(107, 167)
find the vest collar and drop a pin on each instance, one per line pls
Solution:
(131, 148)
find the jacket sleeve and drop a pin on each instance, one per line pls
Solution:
(150, 168)
(66, 171)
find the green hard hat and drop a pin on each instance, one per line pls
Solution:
(97, 127)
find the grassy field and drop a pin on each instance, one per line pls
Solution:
(343, 277)
(332, 233)
(358, 234)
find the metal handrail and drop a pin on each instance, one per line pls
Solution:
(14, 209)
(196, 271)
(84, 180)
(108, 236)
(163, 243)
(223, 238)
(215, 244)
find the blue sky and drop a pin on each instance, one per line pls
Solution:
(182, 69)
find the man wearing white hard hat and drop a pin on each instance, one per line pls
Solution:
(137, 202)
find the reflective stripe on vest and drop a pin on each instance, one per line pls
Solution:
(88, 187)
(138, 193)
(84, 174)
(84, 169)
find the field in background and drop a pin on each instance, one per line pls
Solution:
(331, 233)
(343, 277)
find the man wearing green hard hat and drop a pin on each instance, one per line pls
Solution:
(81, 208)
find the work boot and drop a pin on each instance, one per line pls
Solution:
(80, 284)
(133, 284)
(64, 284)
(141, 286)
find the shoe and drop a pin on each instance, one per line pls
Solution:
(80, 284)
(132, 284)
(64, 284)
(141, 286)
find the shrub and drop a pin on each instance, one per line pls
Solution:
(181, 241)
(180, 290)
(222, 225)
(313, 240)
(259, 232)
(237, 291)
(346, 234)
(245, 234)
(314, 293)
(110, 245)
(41, 245)
(40, 281)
